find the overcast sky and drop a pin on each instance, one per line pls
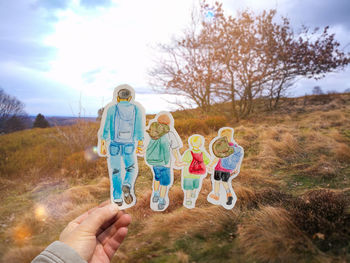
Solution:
(55, 53)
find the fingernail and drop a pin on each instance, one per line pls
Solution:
(114, 208)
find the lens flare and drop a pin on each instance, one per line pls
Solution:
(40, 212)
(209, 14)
(94, 149)
(21, 233)
(90, 154)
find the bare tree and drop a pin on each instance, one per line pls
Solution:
(188, 67)
(317, 90)
(262, 57)
(242, 58)
(12, 113)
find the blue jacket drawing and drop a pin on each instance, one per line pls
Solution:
(231, 162)
(123, 123)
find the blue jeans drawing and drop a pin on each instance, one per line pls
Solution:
(162, 174)
(119, 151)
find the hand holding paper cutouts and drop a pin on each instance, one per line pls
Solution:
(227, 159)
(196, 159)
(163, 144)
(120, 138)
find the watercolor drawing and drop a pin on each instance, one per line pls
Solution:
(196, 159)
(120, 139)
(162, 144)
(227, 159)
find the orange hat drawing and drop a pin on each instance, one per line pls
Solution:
(164, 119)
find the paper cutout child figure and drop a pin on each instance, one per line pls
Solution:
(120, 138)
(228, 158)
(196, 159)
(163, 143)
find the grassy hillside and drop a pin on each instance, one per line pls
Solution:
(293, 190)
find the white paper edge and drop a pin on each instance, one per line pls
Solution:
(222, 201)
(99, 135)
(154, 206)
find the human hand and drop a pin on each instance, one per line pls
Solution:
(210, 168)
(179, 163)
(234, 172)
(103, 150)
(139, 148)
(97, 234)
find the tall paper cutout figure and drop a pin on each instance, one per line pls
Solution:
(162, 144)
(196, 159)
(228, 156)
(120, 139)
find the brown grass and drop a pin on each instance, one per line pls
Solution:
(199, 125)
(161, 230)
(22, 254)
(182, 257)
(47, 213)
(256, 177)
(269, 235)
(184, 221)
(318, 143)
(342, 152)
(337, 136)
(78, 195)
(79, 136)
(323, 168)
(332, 119)
(245, 195)
(278, 148)
(312, 139)
(142, 208)
(324, 120)
(246, 133)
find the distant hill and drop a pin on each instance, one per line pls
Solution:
(63, 120)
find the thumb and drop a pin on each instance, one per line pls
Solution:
(97, 218)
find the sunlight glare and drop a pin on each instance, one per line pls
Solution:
(40, 212)
(21, 233)
(90, 154)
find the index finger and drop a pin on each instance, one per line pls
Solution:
(83, 216)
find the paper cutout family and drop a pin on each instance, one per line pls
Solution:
(122, 137)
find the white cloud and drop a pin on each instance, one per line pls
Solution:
(116, 43)
(117, 40)
(96, 49)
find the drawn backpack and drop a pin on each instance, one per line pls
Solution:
(230, 162)
(197, 165)
(125, 122)
(158, 149)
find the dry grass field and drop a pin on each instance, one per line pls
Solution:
(293, 190)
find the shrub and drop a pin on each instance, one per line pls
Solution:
(269, 235)
(323, 212)
(201, 126)
(191, 126)
(216, 122)
(79, 136)
(273, 197)
(320, 99)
